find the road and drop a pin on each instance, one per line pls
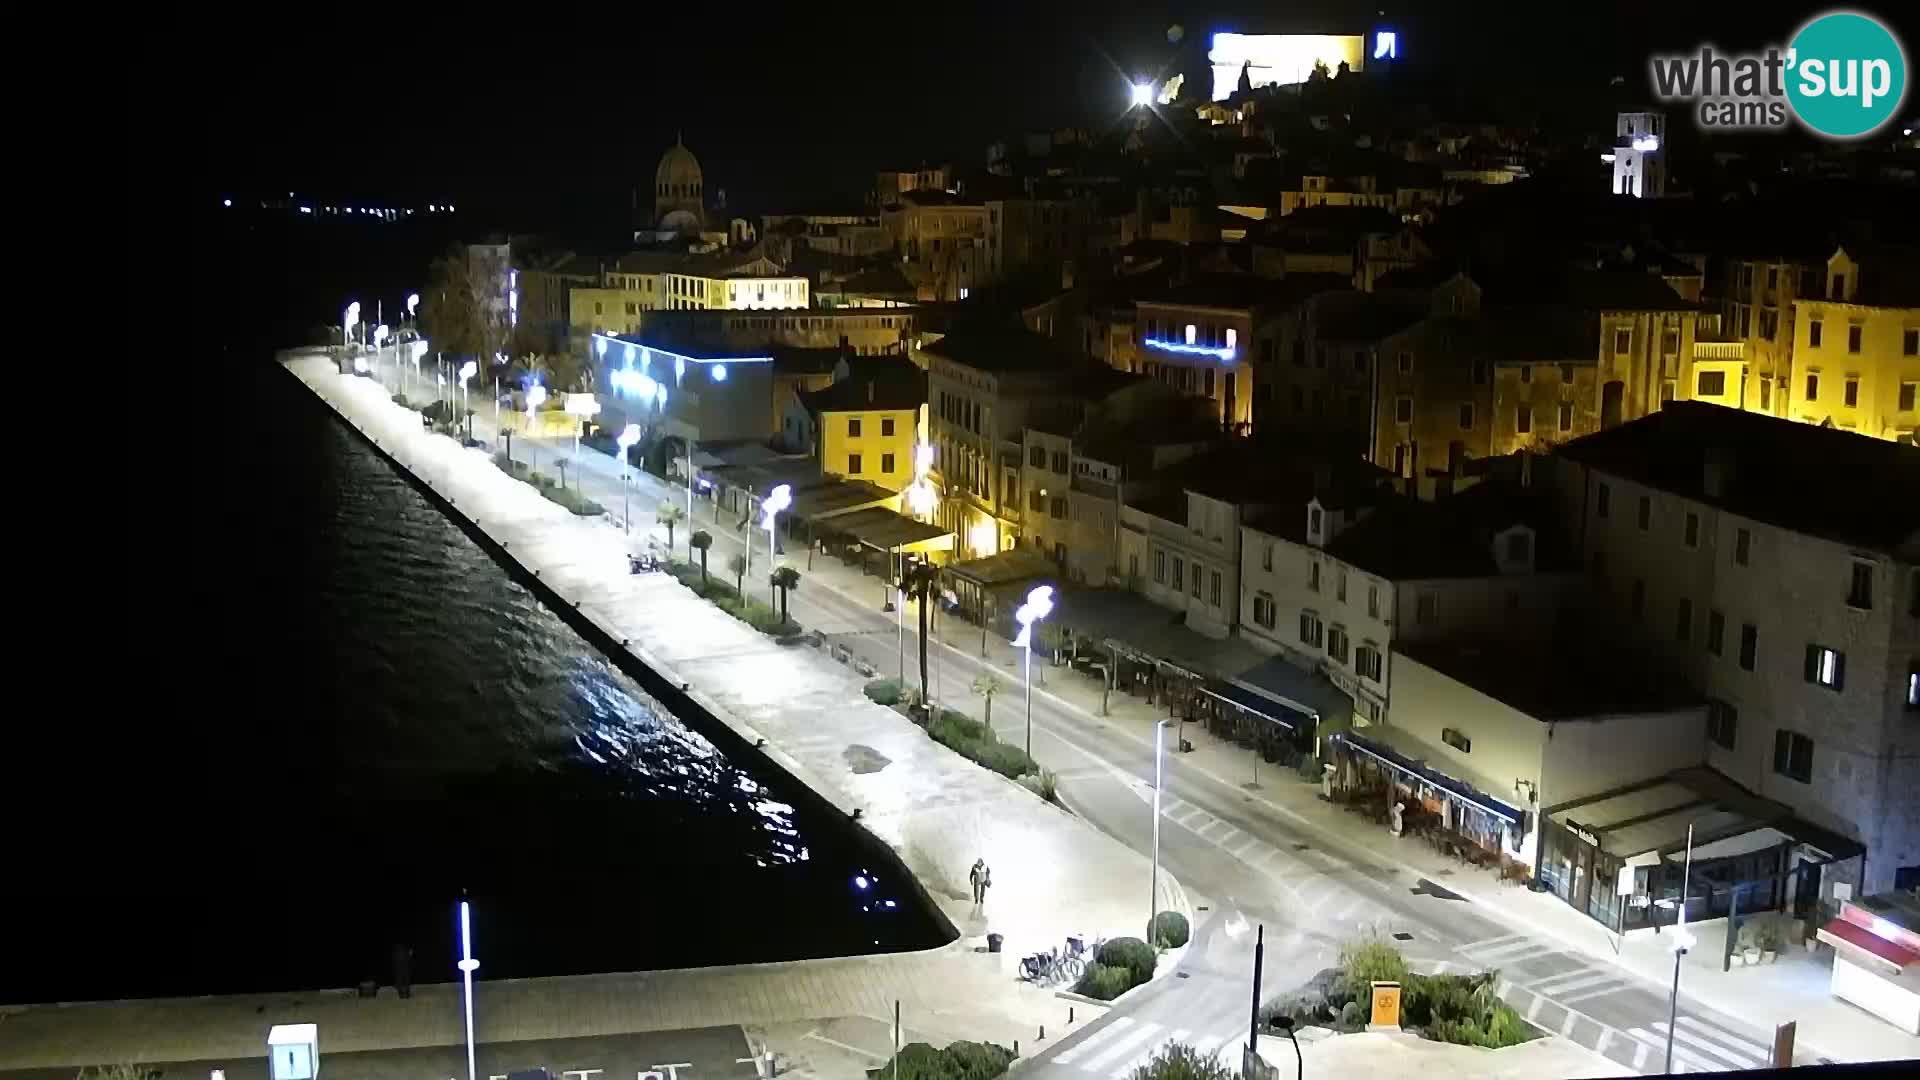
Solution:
(1261, 865)
(720, 1053)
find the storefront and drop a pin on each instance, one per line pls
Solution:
(1379, 768)
(1620, 856)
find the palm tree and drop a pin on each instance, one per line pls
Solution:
(986, 684)
(700, 541)
(786, 579)
(737, 565)
(670, 515)
(919, 580)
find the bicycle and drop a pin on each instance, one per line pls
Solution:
(1040, 967)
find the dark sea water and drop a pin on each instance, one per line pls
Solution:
(368, 717)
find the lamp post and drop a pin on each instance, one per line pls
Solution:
(900, 627)
(1141, 94)
(1683, 941)
(535, 395)
(348, 322)
(1153, 901)
(468, 965)
(1039, 604)
(467, 371)
(582, 407)
(628, 437)
(777, 500)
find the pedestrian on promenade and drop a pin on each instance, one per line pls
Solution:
(981, 877)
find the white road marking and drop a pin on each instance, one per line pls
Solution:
(1599, 990)
(1572, 981)
(1695, 1042)
(1533, 1010)
(1121, 1047)
(1115, 1026)
(1639, 1056)
(1566, 1026)
(1759, 1051)
(1682, 1056)
(1606, 1038)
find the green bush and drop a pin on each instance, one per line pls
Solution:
(1367, 960)
(1009, 761)
(1169, 930)
(1353, 1016)
(1042, 782)
(1131, 953)
(958, 1061)
(952, 728)
(1178, 1061)
(883, 691)
(1505, 1028)
(1104, 982)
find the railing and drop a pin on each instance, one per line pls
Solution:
(1719, 350)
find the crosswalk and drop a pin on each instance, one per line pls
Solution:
(1123, 1044)
(1304, 885)
(1569, 979)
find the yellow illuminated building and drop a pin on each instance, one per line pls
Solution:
(868, 423)
(1856, 355)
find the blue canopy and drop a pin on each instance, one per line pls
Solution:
(1419, 770)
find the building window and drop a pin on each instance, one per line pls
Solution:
(886, 429)
(1337, 644)
(853, 427)
(1037, 457)
(1722, 721)
(1566, 374)
(1813, 333)
(1263, 610)
(1749, 646)
(1646, 513)
(1711, 384)
(1159, 568)
(1853, 338)
(1742, 546)
(1340, 587)
(853, 464)
(1403, 410)
(1670, 343)
(1466, 416)
(1566, 416)
(1716, 632)
(1179, 574)
(1766, 393)
(1060, 462)
(886, 464)
(1692, 536)
(1313, 575)
(1639, 599)
(1197, 568)
(1313, 521)
(1793, 755)
(1373, 597)
(1367, 660)
(1425, 607)
(1523, 419)
(1910, 342)
(1622, 341)
(1036, 502)
(1213, 587)
(1060, 507)
(1266, 557)
(1603, 500)
(1907, 395)
(1683, 620)
(1826, 667)
(1813, 386)
(1860, 587)
(1405, 361)
(1311, 629)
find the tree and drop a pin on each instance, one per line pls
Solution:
(1178, 1061)
(464, 306)
(562, 466)
(700, 541)
(920, 579)
(786, 579)
(986, 684)
(670, 515)
(737, 566)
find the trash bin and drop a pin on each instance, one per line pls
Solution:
(993, 942)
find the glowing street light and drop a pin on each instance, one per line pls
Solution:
(629, 436)
(535, 395)
(413, 304)
(920, 497)
(1038, 606)
(467, 371)
(581, 407)
(467, 965)
(777, 500)
(348, 322)
(1142, 94)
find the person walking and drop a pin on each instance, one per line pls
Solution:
(981, 877)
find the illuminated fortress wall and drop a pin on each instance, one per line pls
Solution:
(1280, 58)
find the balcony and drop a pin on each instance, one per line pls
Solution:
(1719, 350)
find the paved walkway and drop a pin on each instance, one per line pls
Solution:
(1793, 989)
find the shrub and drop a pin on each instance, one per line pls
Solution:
(1104, 982)
(1131, 953)
(1178, 1061)
(977, 1061)
(1367, 960)
(953, 729)
(915, 1061)
(1169, 929)
(1009, 761)
(883, 691)
(1353, 1016)
(1043, 783)
(1505, 1028)
(1309, 768)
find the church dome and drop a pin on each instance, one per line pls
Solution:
(679, 171)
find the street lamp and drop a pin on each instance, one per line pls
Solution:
(348, 322)
(777, 500)
(1153, 901)
(1142, 94)
(413, 304)
(1039, 604)
(535, 395)
(467, 371)
(1683, 941)
(467, 965)
(582, 407)
(627, 438)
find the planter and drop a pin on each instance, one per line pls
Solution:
(1767, 956)
(1753, 957)
(1811, 944)
(1738, 959)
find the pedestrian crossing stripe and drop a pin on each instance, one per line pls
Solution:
(1683, 1054)
(1757, 1050)
(1120, 1048)
(1570, 982)
(1117, 1024)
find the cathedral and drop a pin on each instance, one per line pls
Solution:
(679, 193)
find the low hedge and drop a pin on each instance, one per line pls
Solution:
(977, 743)
(1169, 930)
(723, 595)
(957, 1061)
(1104, 982)
(547, 486)
(884, 691)
(1131, 953)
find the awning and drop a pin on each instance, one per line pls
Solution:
(1265, 708)
(1010, 567)
(1651, 817)
(1306, 693)
(837, 497)
(1842, 934)
(880, 528)
(1376, 747)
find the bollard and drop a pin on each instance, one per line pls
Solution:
(1043, 1034)
(1069, 1015)
(1016, 1048)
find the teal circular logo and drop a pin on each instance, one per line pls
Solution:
(1848, 74)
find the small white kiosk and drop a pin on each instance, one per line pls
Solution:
(293, 1051)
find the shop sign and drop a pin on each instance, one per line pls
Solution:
(1583, 834)
(1386, 1004)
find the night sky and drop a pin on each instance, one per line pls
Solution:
(786, 104)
